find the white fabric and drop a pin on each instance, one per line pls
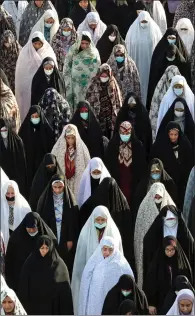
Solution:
(186, 36)
(98, 32)
(15, 12)
(170, 96)
(99, 276)
(87, 244)
(4, 178)
(159, 16)
(140, 43)
(21, 208)
(170, 231)
(82, 158)
(146, 215)
(85, 184)
(28, 63)
(174, 310)
(39, 26)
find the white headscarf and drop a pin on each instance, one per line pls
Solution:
(28, 63)
(170, 231)
(140, 43)
(82, 157)
(85, 184)
(146, 215)
(99, 276)
(4, 178)
(159, 16)
(87, 244)
(183, 294)
(39, 26)
(170, 96)
(186, 36)
(92, 17)
(21, 208)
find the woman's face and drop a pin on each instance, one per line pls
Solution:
(100, 220)
(185, 307)
(10, 195)
(44, 250)
(58, 187)
(39, 3)
(8, 305)
(107, 251)
(35, 115)
(83, 4)
(71, 140)
(37, 45)
(50, 21)
(173, 135)
(169, 251)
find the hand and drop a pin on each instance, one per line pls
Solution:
(69, 245)
(152, 310)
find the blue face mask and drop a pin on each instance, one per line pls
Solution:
(36, 120)
(120, 59)
(171, 41)
(84, 115)
(126, 293)
(155, 176)
(48, 25)
(66, 33)
(178, 91)
(100, 226)
(125, 138)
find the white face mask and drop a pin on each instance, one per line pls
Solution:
(178, 113)
(170, 223)
(96, 176)
(171, 59)
(144, 25)
(4, 134)
(158, 201)
(178, 91)
(48, 72)
(104, 79)
(112, 38)
(33, 234)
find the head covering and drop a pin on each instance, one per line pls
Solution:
(189, 194)
(2, 254)
(157, 12)
(39, 26)
(85, 183)
(140, 44)
(147, 213)
(88, 242)
(56, 110)
(186, 35)
(92, 18)
(185, 9)
(127, 306)
(27, 64)
(183, 294)
(18, 308)
(78, 14)
(127, 75)
(61, 44)
(6, 21)
(96, 277)
(81, 159)
(21, 208)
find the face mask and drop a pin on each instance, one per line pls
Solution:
(158, 201)
(4, 134)
(178, 92)
(33, 234)
(120, 59)
(125, 138)
(48, 72)
(126, 293)
(48, 25)
(155, 176)
(84, 116)
(66, 33)
(10, 199)
(36, 120)
(112, 38)
(104, 79)
(96, 176)
(176, 292)
(171, 59)
(144, 25)
(178, 113)
(7, 45)
(100, 226)
(171, 223)
(171, 41)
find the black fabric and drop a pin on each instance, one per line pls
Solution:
(78, 14)
(92, 135)
(191, 219)
(138, 165)
(139, 118)
(109, 194)
(114, 298)
(181, 282)
(38, 140)
(21, 245)
(42, 178)
(154, 238)
(163, 270)
(64, 8)
(126, 307)
(147, 181)
(105, 46)
(94, 184)
(40, 82)
(12, 159)
(4, 78)
(160, 63)
(178, 169)
(44, 287)
(69, 226)
(189, 126)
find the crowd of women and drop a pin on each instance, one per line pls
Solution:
(97, 157)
